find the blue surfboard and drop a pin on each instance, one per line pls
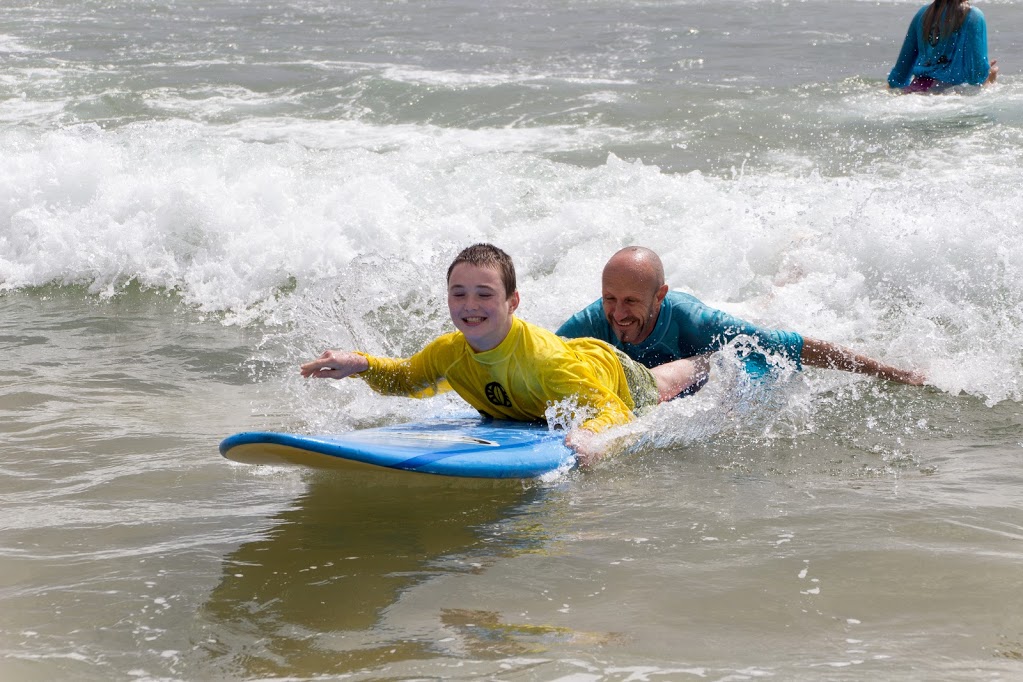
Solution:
(468, 447)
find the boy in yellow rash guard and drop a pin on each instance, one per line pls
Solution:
(518, 378)
(511, 369)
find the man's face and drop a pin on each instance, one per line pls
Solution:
(479, 306)
(631, 306)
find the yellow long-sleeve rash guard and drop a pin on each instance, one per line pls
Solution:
(516, 380)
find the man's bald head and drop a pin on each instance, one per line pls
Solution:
(637, 264)
(633, 288)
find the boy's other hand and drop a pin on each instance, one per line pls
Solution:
(586, 445)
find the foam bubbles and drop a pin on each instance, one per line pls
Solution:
(917, 265)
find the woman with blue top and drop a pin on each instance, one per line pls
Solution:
(946, 45)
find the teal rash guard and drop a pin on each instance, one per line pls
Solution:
(685, 327)
(959, 58)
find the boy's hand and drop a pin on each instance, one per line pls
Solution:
(587, 449)
(335, 364)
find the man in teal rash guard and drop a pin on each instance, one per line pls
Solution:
(946, 44)
(639, 315)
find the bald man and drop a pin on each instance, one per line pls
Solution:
(639, 315)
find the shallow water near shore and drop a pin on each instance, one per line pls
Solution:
(194, 202)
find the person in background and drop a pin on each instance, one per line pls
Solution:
(946, 45)
(639, 315)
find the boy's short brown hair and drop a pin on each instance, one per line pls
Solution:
(488, 256)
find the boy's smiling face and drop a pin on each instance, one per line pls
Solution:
(479, 305)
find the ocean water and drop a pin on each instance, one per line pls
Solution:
(195, 197)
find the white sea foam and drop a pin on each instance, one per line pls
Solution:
(421, 140)
(14, 45)
(234, 218)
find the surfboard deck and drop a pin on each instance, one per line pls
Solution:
(469, 447)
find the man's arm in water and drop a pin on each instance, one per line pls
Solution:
(817, 353)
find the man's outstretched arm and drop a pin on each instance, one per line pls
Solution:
(817, 353)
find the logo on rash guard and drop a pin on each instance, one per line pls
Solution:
(497, 395)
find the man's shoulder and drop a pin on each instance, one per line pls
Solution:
(594, 308)
(590, 321)
(678, 296)
(680, 301)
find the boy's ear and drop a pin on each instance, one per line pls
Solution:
(513, 301)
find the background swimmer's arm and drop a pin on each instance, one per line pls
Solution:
(817, 353)
(901, 74)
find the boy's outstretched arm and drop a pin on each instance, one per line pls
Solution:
(335, 364)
